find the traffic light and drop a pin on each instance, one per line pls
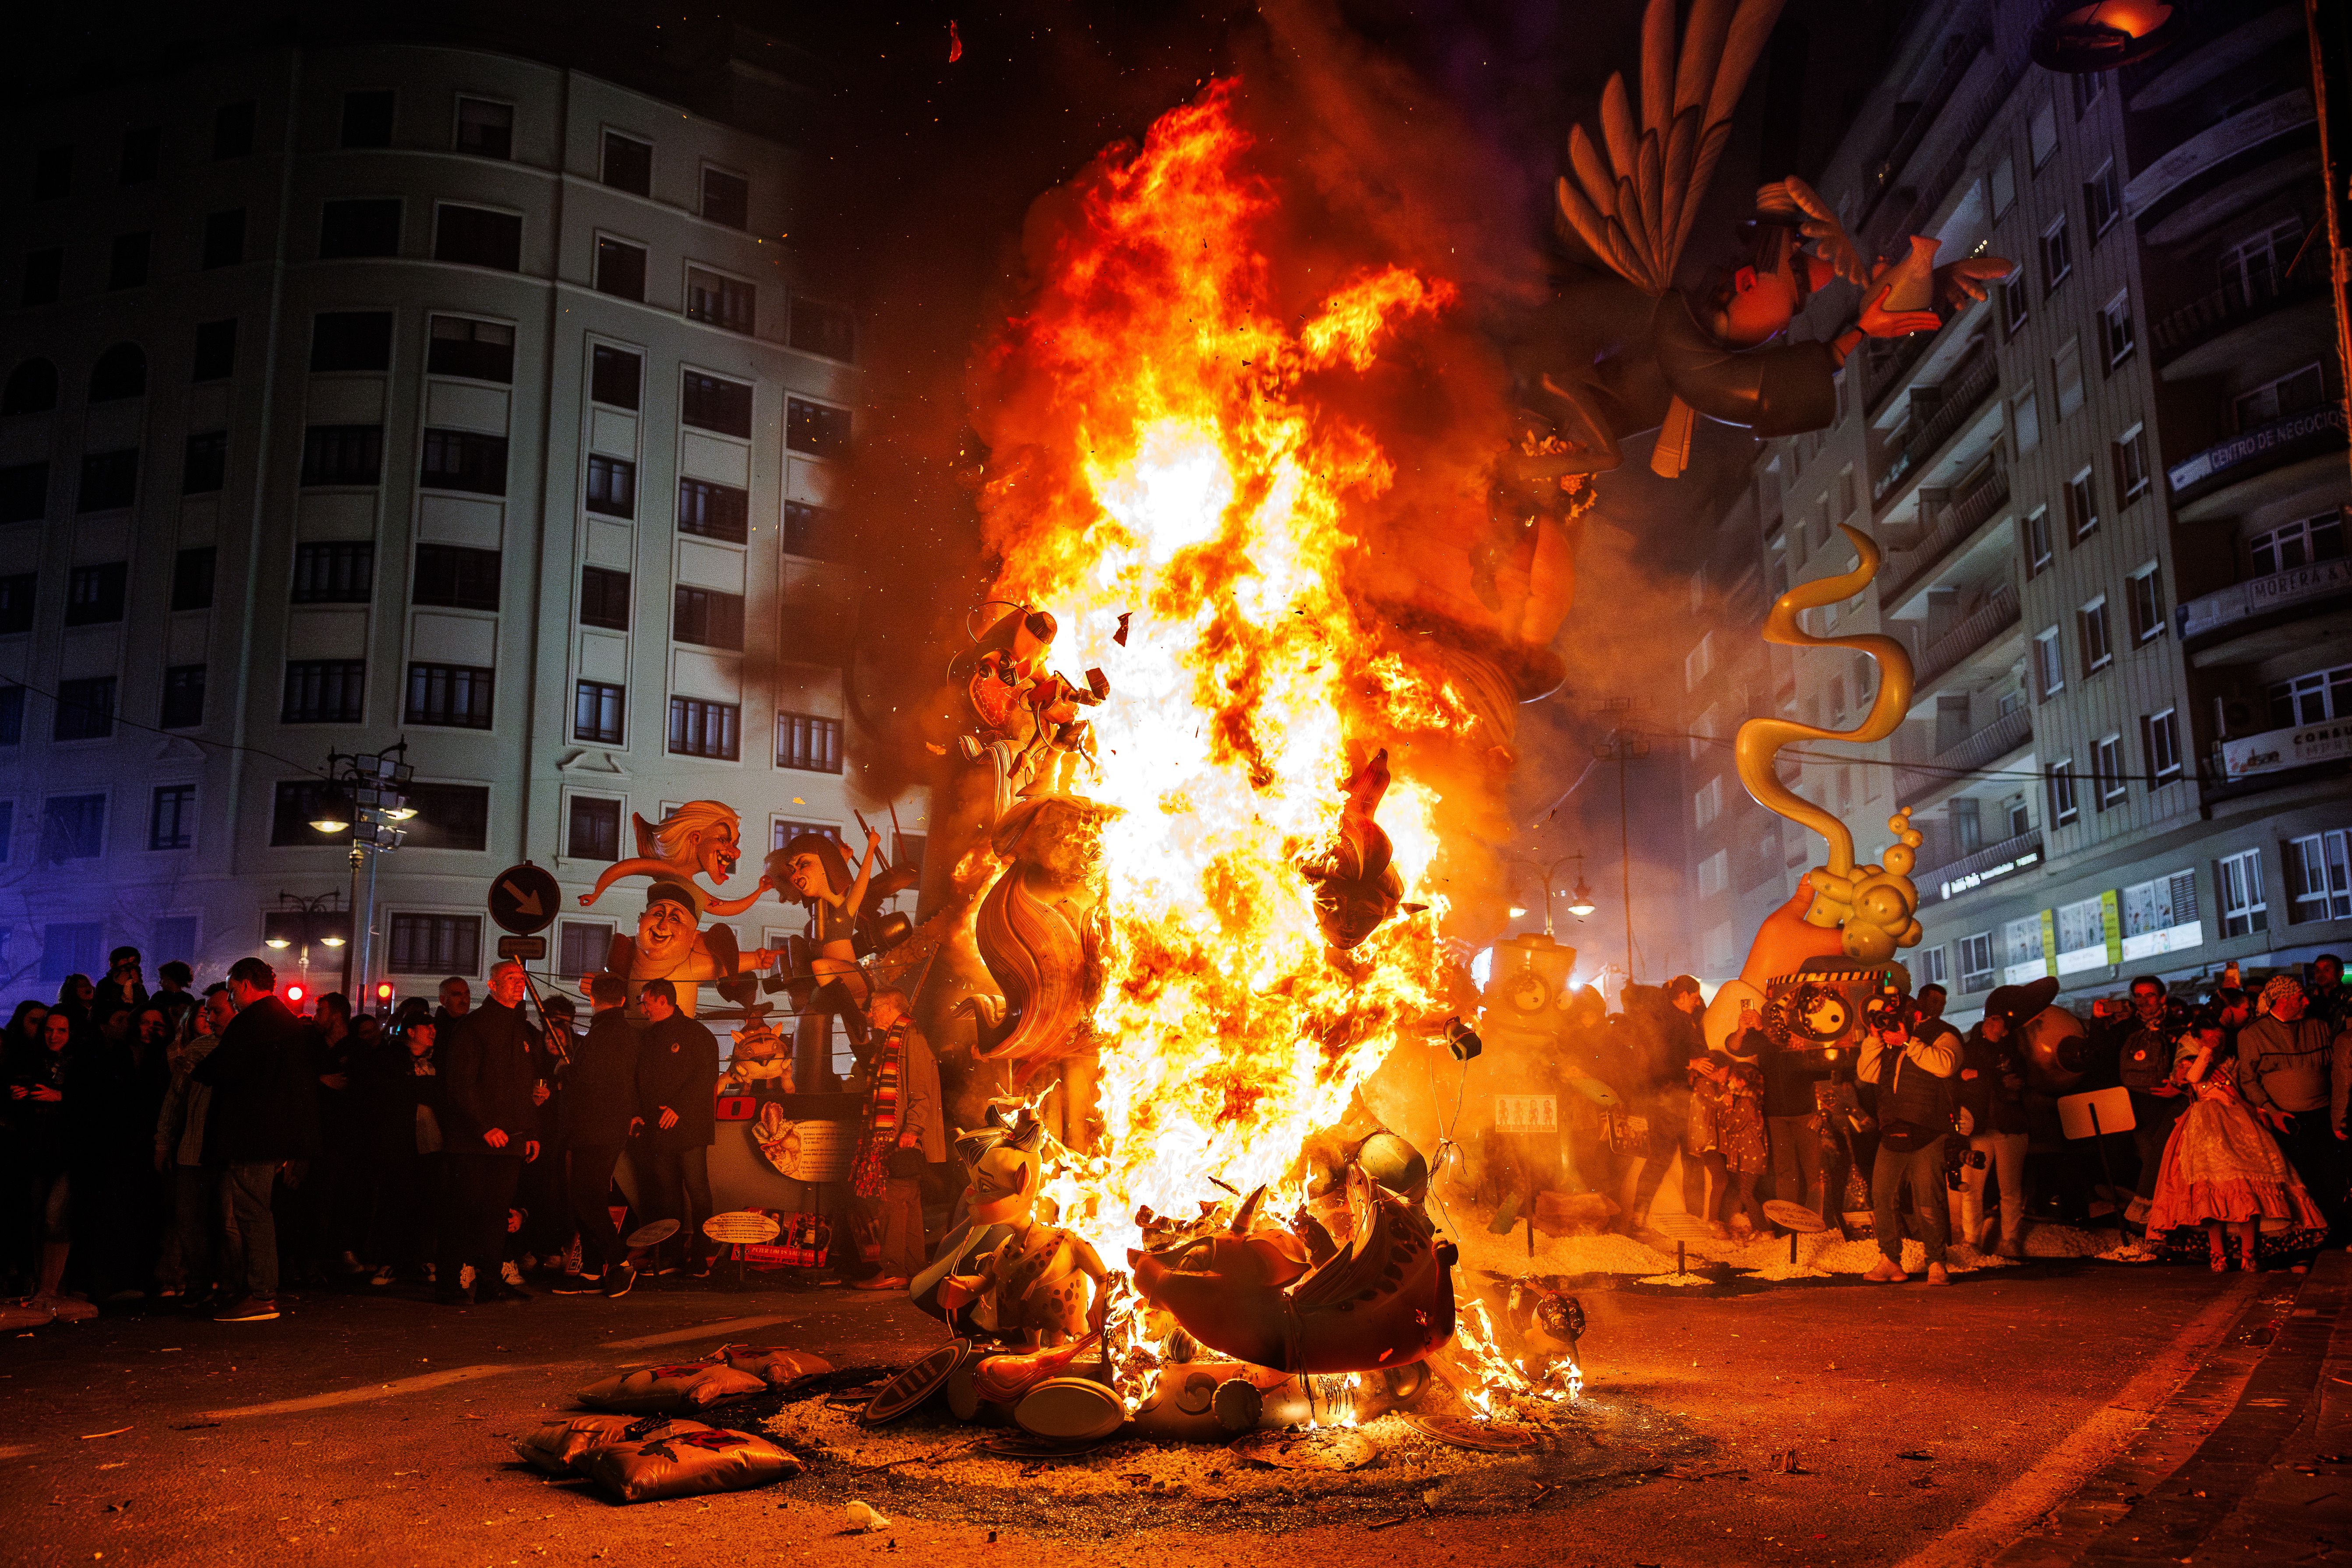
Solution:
(294, 994)
(384, 996)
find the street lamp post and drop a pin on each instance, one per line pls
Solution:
(366, 800)
(299, 922)
(1582, 907)
(1622, 747)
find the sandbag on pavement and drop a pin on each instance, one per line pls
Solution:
(556, 1446)
(774, 1364)
(687, 1464)
(662, 1390)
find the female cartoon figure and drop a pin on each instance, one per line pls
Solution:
(832, 983)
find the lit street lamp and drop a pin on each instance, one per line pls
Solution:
(363, 798)
(1580, 899)
(299, 922)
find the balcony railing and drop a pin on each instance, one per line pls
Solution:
(1978, 626)
(1959, 520)
(2226, 138)
(1963, 395)
(2318, 583)
(1977, 868)
(1957, 65)
(2233, 303)
(1893, 225)
(1995, 740)
(2263, 447)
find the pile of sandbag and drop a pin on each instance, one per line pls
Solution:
(646, 1459)
(671, 1390)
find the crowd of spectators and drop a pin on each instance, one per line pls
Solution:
(198, 1149)
(1968, 1124)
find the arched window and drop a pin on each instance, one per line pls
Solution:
(32, 389)
(121, 371)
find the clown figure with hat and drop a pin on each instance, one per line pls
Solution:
(669, 946)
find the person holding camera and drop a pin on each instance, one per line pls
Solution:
(1913, 1060)
(1991, 1093)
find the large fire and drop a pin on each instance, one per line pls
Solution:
(1202, 486)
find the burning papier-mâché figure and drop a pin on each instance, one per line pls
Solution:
(1028, 728)
(1356, 887)
(703, 836)
(1004, 1273)
(1040, 933)
(1620, 354)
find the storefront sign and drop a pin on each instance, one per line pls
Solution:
(2111, 919)
(1959, 885)
(2292, 747)
(2155, 943)
(2084, 958)
(2050, 941)
(2224, 456)
(2242, 601)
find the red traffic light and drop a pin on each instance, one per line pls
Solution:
(294, 994)
(383, 990)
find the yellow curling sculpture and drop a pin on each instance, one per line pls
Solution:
(1874, 908)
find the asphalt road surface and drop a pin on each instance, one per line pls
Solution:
(2050, 1414)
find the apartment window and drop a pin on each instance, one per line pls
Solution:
(126, 266)
(2299, 543)
(2313, 698)
(453, 695)
(2089, 88)
(726, 302)
(822, 329)
(2042, 135)
(224, 239)
(1707, 803)
(24, 492)
(294, 807)
(121, 371)
(808, 742)
(2091, 623)
(1845, 493)
(2067, 365)
(2115, 330)
(216, 355)
(2252, 268)
(2240, 877)
(478, 236)
(171, 817)
(2290, 394)
(613, 376)
(2037, 542)
(2057, 256)
(351, 340)
(192, 578)
(2107, 771)
(1975, 962)
(1714, 872)
(85, 708)
(52, 173)
(2016, 303)
(436, 944)
(206, 468)
(465, 460)
(232, 131)
(814, 428)
(726, 199)
(620, 268)
(628, 164)
(45, 271)
(94, 595)
(183, 697)
(2062, 809)
(593, 832)
(2160, 738)
(711, 403)
(2147, 617)
(482, 350)
(449, 817)
(367, 227)
(611, 487)
(587, 945)
(484, 128)
(342, 453)
(1698, 662)
(2319, 878)
(32, 389)
(19, 593)
(2103, 200)
(2131, 464)
(782, 830)
(323, 691)
(73, 827)
(456, 576)
(699, 729)
(2082, 508)
(708, 617)
(605, 598)
(803, 530)
(597, 710)
(334, 572)
(367, 118)
(110, 480)
(715, 512)
(2048, 664)
(12, 733)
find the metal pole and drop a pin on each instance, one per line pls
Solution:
(1625, 852)
(364, 931)
(353, 939)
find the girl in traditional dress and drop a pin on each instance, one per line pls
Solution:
(2221, 1168)
(1726, 1132)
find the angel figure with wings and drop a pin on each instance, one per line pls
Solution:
(1626, 352)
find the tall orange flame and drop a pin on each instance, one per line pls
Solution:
(1168, 445)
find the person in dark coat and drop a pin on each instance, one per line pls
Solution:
(677, 1076)
(596, 1115)
(490, 1129)
(549, 1233)
(263, 1113)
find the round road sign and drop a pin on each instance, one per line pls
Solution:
(523, 898)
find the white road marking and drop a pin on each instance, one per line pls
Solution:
(706, 1332)
(417, 1385)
